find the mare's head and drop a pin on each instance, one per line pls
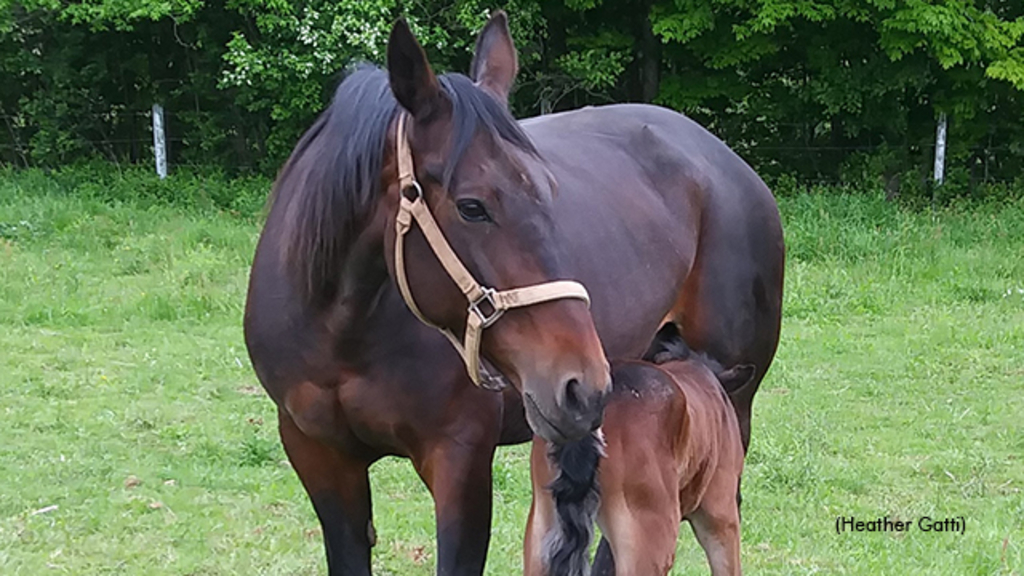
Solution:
(490, 194)
(492, 197)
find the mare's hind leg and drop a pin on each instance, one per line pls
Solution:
(458, 474)
(717, 527)
(339, 488)
(731, 303)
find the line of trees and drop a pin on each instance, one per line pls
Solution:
(823, 89)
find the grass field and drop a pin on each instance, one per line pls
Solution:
(135, 439)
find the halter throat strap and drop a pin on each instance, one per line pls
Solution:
(485, 304)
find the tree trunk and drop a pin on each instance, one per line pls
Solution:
(650, 56)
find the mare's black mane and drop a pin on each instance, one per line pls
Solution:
(328, 186)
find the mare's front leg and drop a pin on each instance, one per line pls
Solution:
(457, 470)
(339, 487)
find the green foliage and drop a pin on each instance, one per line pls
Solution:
(798, 86)
(595, 68)
(284, 66)
(844, 74)
(1010, 68)
(208, 189)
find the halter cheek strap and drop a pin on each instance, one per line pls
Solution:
(486, 305)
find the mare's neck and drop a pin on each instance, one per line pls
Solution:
(364, 280)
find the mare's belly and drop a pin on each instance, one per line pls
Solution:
(628, 248)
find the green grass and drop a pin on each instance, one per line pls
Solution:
(127, 401)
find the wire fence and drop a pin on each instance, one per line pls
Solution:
(125, 136)
(130, 140)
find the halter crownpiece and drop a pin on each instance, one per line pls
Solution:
(486, 305)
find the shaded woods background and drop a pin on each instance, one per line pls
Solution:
(810, 90)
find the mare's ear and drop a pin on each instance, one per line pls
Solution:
(738, 382)
(412, 81)
(495, 62)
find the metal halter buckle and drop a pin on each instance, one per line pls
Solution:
(486, 318)
(491, 382)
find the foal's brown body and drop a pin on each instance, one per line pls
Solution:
(673, 452)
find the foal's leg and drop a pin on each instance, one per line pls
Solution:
(642, 540)
(542, 510)
(458, 474)
(717, 527)
(339, 487)
(538, 523)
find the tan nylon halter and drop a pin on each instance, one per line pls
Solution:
(416, 209)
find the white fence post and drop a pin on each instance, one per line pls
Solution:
(159, 141)
(940, 150)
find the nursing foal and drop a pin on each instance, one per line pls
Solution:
(671, 451)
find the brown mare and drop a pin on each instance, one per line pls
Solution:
(672, 451)
(655, 216)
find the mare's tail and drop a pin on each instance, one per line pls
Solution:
(577, 498)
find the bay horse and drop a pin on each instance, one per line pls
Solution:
(658, 219)
(669, 450)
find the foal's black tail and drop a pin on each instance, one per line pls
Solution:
(577, 498)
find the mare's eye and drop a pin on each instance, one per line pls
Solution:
(472, 210)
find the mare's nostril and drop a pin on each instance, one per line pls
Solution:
(573, 402)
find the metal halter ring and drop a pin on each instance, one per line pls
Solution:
(415, 187)
(486, 319)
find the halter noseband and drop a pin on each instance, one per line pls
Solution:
(486, 305)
